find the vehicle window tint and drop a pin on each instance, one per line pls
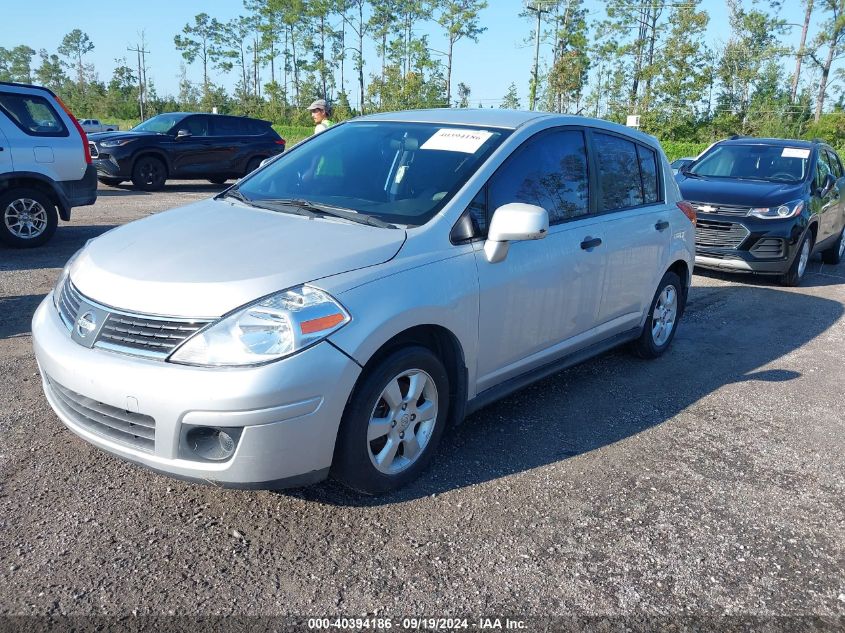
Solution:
(619, 172)
(549, 171)
(32, 114)
(648, 170)
(196, 125)
(256, 128)
(835, 165)
(228, 126)
(822, 169)
(478, 212)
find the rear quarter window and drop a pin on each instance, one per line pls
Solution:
(32, 114)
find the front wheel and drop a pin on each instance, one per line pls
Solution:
(662, 322)
(796, 271)
(149, 173)
(28, 218)
(834, 254)
(393, 422)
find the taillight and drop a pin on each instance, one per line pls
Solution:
(689, 211)
(281, 141)
(79, 129)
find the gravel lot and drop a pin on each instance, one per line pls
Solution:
(706, 484)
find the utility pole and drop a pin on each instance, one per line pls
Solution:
(142, 73)
(537, 7)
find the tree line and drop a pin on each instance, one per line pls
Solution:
(648, 58)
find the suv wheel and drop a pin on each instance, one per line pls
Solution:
(662, 322)
(252, 165)
(111, 182)
(27, 218)
(834, 254)
(393, 422)
(796, 271)
(149, 173)
(217, 181)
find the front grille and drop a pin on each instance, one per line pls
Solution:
(132, 429)
(723, 209)
(713, 234)
(135, 334)
(93, 149)
(156, 337)
(769, 247)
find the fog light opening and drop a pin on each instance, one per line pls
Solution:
(211, 443)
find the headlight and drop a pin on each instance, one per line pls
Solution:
(787, 210)
(267, 330)
(116, 142)
(65, 272)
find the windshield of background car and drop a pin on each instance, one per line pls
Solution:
(773, 163)
(161, 123)
(402, 173)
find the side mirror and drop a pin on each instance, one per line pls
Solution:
(183, 134)
(514, 222)
(827, 184)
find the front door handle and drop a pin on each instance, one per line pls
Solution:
(590, 242)
(662, 225)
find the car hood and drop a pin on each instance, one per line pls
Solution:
(210, 257)
(751, 193)
(99, 137)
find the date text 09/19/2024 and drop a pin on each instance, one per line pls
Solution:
(416, 624)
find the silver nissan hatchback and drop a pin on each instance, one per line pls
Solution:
(336, 310)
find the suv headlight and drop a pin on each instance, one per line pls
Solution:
(57, 291)
(264, 331)
(780, 212)
(116, 142)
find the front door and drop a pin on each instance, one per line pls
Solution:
(543, 298)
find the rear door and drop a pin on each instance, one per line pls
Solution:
(636, 227)
(828, 204)
(837, 216)
(230, 138)
(542, 300)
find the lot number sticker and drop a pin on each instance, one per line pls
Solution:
(455, 140)
(794, 152)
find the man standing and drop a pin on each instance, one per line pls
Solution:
(320, 113)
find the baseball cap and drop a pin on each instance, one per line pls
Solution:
(319, 104)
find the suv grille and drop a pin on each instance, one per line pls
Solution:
(713, 234)
(723, 209)
(93, 149)
(135, 334)
(132, 429)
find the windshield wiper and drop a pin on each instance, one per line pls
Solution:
(237, 195)
(337, 212)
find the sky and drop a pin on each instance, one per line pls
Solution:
(501, 56)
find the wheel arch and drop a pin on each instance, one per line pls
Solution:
(155, 153)
(40, 183)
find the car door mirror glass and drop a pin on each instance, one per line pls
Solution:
(183, 134)
(827, 184)
(514, 222)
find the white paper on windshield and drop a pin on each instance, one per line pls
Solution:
(456, 140)
(795, 152)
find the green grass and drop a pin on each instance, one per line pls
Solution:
(293, 133)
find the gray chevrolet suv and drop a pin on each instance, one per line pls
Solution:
(45, 165)
(337, 309)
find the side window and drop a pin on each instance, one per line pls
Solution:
(32, 114)
(822, 169)
(478, 212)
(227, 126)
(619, 172)
(835, 165)
(549, 171)
(196, 125)
(648, 170)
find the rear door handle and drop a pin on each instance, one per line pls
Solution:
(590, 242)
(662, 225)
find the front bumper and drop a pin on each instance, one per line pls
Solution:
(287, 412)
(111, 168)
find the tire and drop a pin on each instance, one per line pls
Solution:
(149, 173)
(111, 182)
(28, 218)
(217, 181)
(834, 254)
(376, 458)
(253, 164)
(795, 274)
(664, 312)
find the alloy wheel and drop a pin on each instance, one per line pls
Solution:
(664, 316)
(25, 218)
(402, 421)
(804, 258)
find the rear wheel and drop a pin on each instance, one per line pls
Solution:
(393, 422)
(796, 271)
(149, 173)
(252, 165)
(111, 182)
(834, 254)
(662, 322)
(28, 218)
(217, 181)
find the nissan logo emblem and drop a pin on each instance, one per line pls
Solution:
(86, 324)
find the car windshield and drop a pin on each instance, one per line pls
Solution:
(161, 123)
(401, 173)
(773, 163)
